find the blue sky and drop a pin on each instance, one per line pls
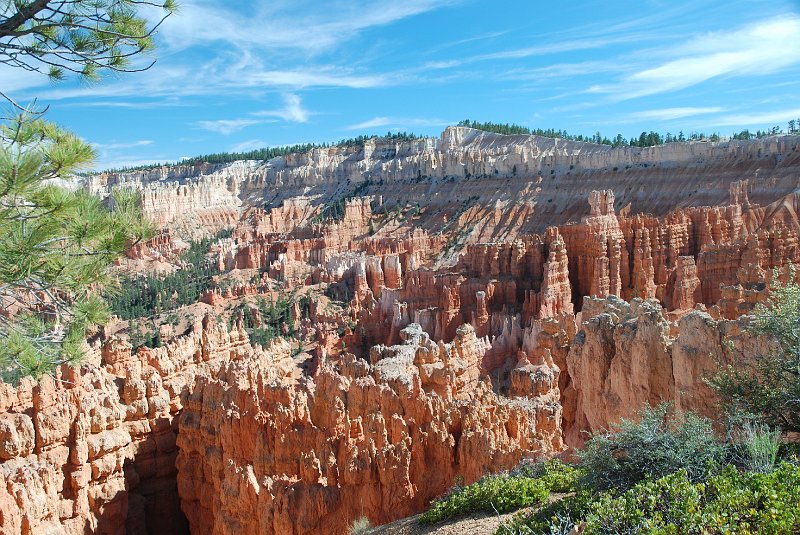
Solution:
(237, 75)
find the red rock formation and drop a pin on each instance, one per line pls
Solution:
(556, 294)
(479, 290)
(686, 292)
(625, 357)
(94, 450)
(99, 452)
(356, 439)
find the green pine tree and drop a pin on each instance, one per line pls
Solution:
(57, 241)
(56, 244)
(83, 37)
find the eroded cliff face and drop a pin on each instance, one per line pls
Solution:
(93, 450)
(476, 300)
(500, 186)
(215, 429)
(628, 355)
(379, 438)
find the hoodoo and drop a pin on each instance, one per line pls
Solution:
(377, 323)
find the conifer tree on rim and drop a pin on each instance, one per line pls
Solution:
(57, 241)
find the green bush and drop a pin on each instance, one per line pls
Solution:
(768, 385)
(757, 449)
(654, 446)
(671, 502)
(499, 493)
(729, 502)
(359, 526)
(526, 485)
(558, 517)
(557, 475)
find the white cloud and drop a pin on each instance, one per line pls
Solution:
(371, 123)
(123, 145)
(320, 77)
(589, 37)
(227, 127)
(397, 123)
(292, 111)
(250, 144)
(563, 70)
(565, 46)
(571, 45)
(300, 24)
(667, 114)
(148, 104)
(769, 118)
(17, 79)
(759, 49)
(219, 78)
(244, 46)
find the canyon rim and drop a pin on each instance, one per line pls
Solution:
(480, 300)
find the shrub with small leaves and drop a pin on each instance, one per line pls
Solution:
(528, 484)
(552, 519)
(491, 494)
(557, 475)
(658, 444)
(729, 502)
(359, 526)
(768, 384)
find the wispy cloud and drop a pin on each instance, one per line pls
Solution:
(15, 79)
(466, 40)
(122, 145)
(762, 48)
(220, 78)
(760, 119)
(593, 36)
(250, 144)
(397, 122)
(667, 114)
(227, 127)
(243, 48)
(300, 24)
(292, 111)
(564, 46)
(564, 70)
(138, 105)
(569, 45)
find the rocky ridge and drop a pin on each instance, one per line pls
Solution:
(502, 185)
(476, 327)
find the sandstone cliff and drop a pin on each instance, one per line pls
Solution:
(94, 450)
(475, 300)
(518, 184)
(627, 355)
(378, 439)
(216, 429)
